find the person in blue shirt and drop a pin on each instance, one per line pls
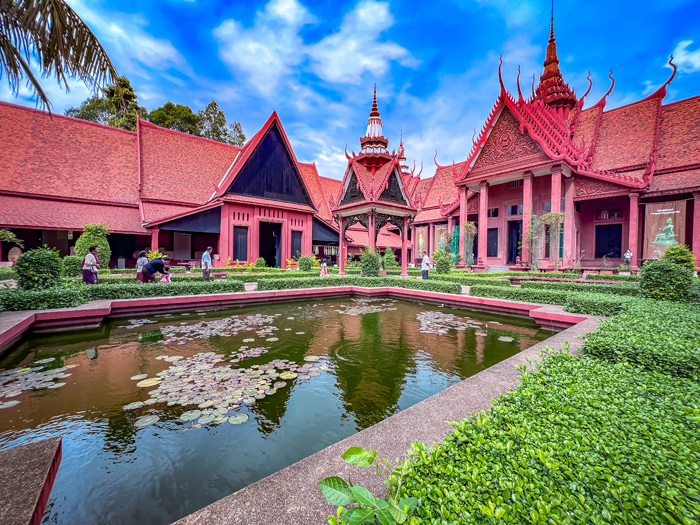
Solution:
(206, 264)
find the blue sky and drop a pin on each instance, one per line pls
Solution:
(435, 63)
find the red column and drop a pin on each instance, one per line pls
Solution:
(462, 220)
(307, 236)
(634, 229)
(696, 228)
(404, 249)
(225, 233)
(569, 223)
(154, 238)
(483, 217)
(555, 198)
(286, 242)
(371, 232)
(527, 215)
(341, 251)
(431, 237)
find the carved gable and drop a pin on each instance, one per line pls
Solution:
(586, 188)
(506, 143)
(353, 192)
(393, 193)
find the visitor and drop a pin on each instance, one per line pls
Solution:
(628, 257)
(324, 270)
(206, 264)
(91, 265)
(425, 266)
(140, 263)
(157, 265)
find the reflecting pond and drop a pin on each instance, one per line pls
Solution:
(162, 415)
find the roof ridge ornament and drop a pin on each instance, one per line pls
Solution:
(601, 103)
(500, 77)
(661, 92)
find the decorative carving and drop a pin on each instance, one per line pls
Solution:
(362, 218)
(506, 142)
(382, 219)
(585, 187)
(473, 204)
(353, 193)
(392, 192)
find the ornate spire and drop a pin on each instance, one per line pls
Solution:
(374, 141)
(552, 90)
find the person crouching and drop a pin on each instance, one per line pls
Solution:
(157, 265)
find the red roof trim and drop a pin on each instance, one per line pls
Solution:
(68, 199)
(203, 207)
(188, 135)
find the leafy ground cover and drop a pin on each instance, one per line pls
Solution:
(631, 289)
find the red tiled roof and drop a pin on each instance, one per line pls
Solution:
(689, 179)
(255, 201)
(66, 157)
(313, 183)
(181, 168)
(443, 188)
(385, 239)
(679, 134)
(422, 190)
(432, 214)
(332, 189)
(156, 211)
(585, 127)
(25, 212)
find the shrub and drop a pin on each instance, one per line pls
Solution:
(613, 444)
(598, 303)
(259, 262)
(135, 290)
(389, 260)
(370, 261)
(306, 263)
(681, 255)
(254, 278)
(94, 234)
(662, 279)
(601, 277)
(127, 279)
(72, 266)
(38, 269)
(416, 272)
(362, 281)
(12, 300)
(519, 294)
(631, 289)
(442, 261)
(468, 279)
(656, 335)
(154, 254)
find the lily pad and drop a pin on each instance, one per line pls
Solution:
(259, 396)
(272, 339)
(56, 385)
(44, 361)
(8, 404)
(279, 384)
(249, 400)
(506, 339)
(139, 377)
(219, 419)
(190, 415)
(288, 375)
(206, 419)
(305, 376)
(311, 358)
(146, 420)
(249, 340)
(149, 382)
(134, 405)
(270, 392)
(238, 419)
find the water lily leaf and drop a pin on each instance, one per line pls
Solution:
(206, 419)
(238, 419)
(149, 382)
(305, 376)
(259, 396)
(134, 405)
(139, 377)
(270, 392)
(279, 384)
(311, 358)
(288, 375)
(44, 361)
(56, 385)
(8, 404)
(272, 339)
(146, 420)
(506, 339)
(190, 415)
(249, 340)
(249, 400)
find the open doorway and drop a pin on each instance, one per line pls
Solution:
(515, 234)
(271, 243)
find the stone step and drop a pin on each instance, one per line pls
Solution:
(497, 269)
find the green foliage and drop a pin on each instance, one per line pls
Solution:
(598, 303)
(154, 254)
(623, 268)
(8, 236)
(389, 261)
(94, 109)
(259, 262)
(368, 509)
(656, 335)
(631, 289)
(215, 127)
(178, 117)
(681, 255)
(488, 275)
(72, 266)
(246, 269)
(126, 279)
(125, 103)
(134, 289)
(94, 234)
(370, 262)
(12, 300)
(361, 281)
(665, 280)
(415, 272)
(257, 277)
(38, 269)
(554, 221)
(580, 441)
(470, 231)
(470, 279)
(519, 294)
(601, 277)
(306, 263)
(442, 261)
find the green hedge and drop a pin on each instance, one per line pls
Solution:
(129, 271)
(519, 294)
(368, 282)
(598, 303)
(630, 289)
(12, 300)
(5, 275)
(230, 269)
(580, 441)
(601, 277)
(666, 280)
(488, 275)
(467, 279)
(253, 278)
(348, 271)
(413, 272)
(135, 290)
(127, 279)
(656, 335)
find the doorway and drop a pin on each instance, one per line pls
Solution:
(270, 245)
(515, 234)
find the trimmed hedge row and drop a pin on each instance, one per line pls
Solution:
(136, 290)
(656, 335)
(519, 294)
(563, 275)
(579, 441)
(257, 269)
(6, 275)
(601, 277)
(127, 279)
(413, 272)
(598, 303)
(13, 300)
(253, 278)
(630, 289)
(119, 271)
(367, 282)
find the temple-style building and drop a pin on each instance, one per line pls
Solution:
(625, 179)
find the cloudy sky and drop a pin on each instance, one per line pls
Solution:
(435, 63)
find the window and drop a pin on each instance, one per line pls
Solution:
(492, 242)
(608, 241)
(548, 206)
(516, 209)
(240, 243)
(578, 207)
(493, 213)
(515, 183)
(547, 240)
(606, 215)
(296, 244)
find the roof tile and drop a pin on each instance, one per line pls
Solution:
(679, 135)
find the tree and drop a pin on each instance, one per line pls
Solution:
(94, 234)
(128, 111)
(8, 236)
(95, 109)
(52, 33)
(215, 127)
(177, 117)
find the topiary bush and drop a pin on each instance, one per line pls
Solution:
(38, 269)
(680, 255)
(442, 261)
(306, 263)
(72, 266)
(370, 261)
(94, 234)
(665, 280)
(389, 260)
(259, 262)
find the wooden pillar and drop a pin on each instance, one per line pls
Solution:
(569, 224)
(342, 255)
(696, 228)
(404, 249)
(527, 215)
(633, 243)
(154, 238)
(462, 220)
(483, 219)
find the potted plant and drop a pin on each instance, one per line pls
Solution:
(623, 269)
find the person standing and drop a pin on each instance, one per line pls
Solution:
(324, 269)
(206, 264)
(157, 265)
(140, 263)
(425, 266)
(91, 265)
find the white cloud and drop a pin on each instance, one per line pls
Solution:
(686, 60)
(516, 13)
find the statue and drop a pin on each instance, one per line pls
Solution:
(420, 243)
(441, 243)
(666, 238)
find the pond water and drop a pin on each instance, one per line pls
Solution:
(165, 414)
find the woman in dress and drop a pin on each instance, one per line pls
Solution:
(91, 265)
(140, 263)
(324, 270)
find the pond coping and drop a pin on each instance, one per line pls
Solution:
(14, 325)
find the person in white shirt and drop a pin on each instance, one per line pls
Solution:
(206, 264)
(140, 263)
(91, 265)
(425, 266)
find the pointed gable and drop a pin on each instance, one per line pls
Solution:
(270, 172)
(353, 192)
(393, 191)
